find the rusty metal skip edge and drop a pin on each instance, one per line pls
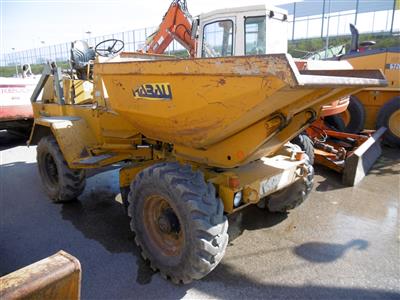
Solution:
(55, 277)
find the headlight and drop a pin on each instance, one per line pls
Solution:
(237, 199)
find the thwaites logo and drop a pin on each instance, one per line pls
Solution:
(153, 91)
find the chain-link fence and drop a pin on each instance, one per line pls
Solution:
(337, 23)
(133, 40)
(333, 24)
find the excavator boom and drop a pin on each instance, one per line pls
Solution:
(176, 24)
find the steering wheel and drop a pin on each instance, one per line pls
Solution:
(109, 47)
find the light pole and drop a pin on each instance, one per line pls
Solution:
(327, 31)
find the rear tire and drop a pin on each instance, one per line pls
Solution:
(61, 183)
(335, 122)
(306, 144)
(356, 112)
(178, 221)
(389, 116)
(293, 195)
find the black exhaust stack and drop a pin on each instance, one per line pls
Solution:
(354, 38)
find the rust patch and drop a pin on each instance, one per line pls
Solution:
(240, 155)
(118, 83)
(221, 82)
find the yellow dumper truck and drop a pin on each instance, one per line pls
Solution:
(200, 138)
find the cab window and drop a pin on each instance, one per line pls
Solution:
(255, 35)
(218, 39)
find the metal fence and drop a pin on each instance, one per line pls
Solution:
(337, 24)
(133, 40)
(333, 24)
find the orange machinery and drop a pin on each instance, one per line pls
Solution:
(176, 24)
(349, 154)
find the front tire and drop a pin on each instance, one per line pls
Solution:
(356, 112)
(61, 183)
(178, 221)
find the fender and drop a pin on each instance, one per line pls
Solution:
(72, 134)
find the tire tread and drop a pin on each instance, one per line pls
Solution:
(71, 181)
(209, 238)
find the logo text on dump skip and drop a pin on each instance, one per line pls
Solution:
(153, 91)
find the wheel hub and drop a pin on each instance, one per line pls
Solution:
(168, 222)
(163, 225)
(394, 121)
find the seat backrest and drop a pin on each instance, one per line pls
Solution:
(81, 54)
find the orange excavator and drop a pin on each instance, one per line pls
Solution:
(176, 24)
(350, 154)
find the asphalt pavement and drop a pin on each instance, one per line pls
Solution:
(342, 243)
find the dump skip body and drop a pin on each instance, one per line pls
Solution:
(200, 102)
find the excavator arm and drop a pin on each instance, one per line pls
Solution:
(176, 24)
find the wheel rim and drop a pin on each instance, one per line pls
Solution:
(50, 168)
(163, 226)
(394, 123)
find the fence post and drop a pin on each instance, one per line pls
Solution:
(394, 11)
(323, 19)
(67, 54)
(145, 36)
(327, 30)
(373, 22)
(308, 21)
(355, 18)
(134, 44)
(338, 23)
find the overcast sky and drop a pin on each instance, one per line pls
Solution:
(25, 23)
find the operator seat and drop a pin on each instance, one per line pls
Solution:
(81, 57)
